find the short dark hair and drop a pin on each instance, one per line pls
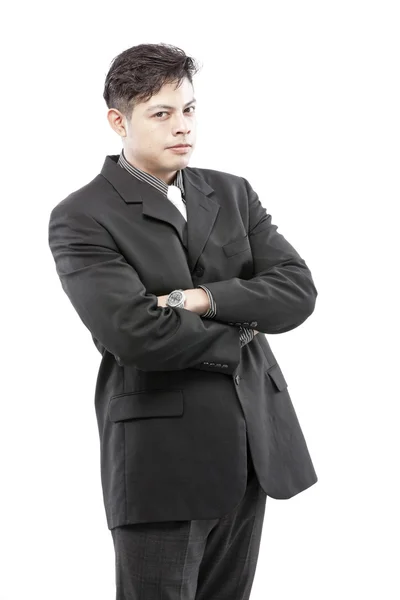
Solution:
(140, 72)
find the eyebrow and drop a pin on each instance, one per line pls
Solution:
(166, 105)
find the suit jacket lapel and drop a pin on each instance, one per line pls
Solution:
(201, 209)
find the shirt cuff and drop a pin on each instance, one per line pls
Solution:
(211, 313)
(246, 335)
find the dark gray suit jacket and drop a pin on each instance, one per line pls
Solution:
(176, 396)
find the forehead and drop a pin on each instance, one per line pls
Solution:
(170, 96)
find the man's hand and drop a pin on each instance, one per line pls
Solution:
(161, 300)
(196, 300)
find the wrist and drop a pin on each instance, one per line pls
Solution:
(196, 300)
(204, 301)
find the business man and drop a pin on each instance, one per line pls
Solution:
(175, 270)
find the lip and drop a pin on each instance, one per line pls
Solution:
(180, 146)
(179, 149)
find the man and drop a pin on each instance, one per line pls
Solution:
(175, 270)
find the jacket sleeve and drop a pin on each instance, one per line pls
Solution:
(113, 304)
(281, 295)
(246, 333)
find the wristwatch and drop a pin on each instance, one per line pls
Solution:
(176, 299)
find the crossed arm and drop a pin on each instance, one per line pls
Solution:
(197, 300)
(281, 295)
(128, 322)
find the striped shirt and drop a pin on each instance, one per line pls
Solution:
(246, 333)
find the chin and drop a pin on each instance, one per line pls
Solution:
(181, 162)
(184, 157)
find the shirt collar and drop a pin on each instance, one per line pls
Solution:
(159, 184)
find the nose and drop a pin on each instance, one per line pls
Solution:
(181, 126)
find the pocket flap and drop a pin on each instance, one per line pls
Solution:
(277, 377)
(147, 403)
(237, 246)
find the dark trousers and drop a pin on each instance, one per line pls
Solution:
(192, 560)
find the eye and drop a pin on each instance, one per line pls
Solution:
(163, 112)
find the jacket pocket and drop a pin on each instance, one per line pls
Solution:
(146, 404)
(237, 246)
(275, 373)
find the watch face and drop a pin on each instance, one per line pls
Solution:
(175, 298)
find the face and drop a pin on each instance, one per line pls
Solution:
(153, 129)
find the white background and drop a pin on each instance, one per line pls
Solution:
(302, 99)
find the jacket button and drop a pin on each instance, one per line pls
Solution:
(199, 271)
(237, 379)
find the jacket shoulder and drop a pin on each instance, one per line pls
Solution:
(76, 201)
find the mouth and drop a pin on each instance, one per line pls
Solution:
(180, 149)
(181, 146)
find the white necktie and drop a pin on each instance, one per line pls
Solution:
(175, 196)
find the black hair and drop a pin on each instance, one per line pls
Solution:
(139, 72)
